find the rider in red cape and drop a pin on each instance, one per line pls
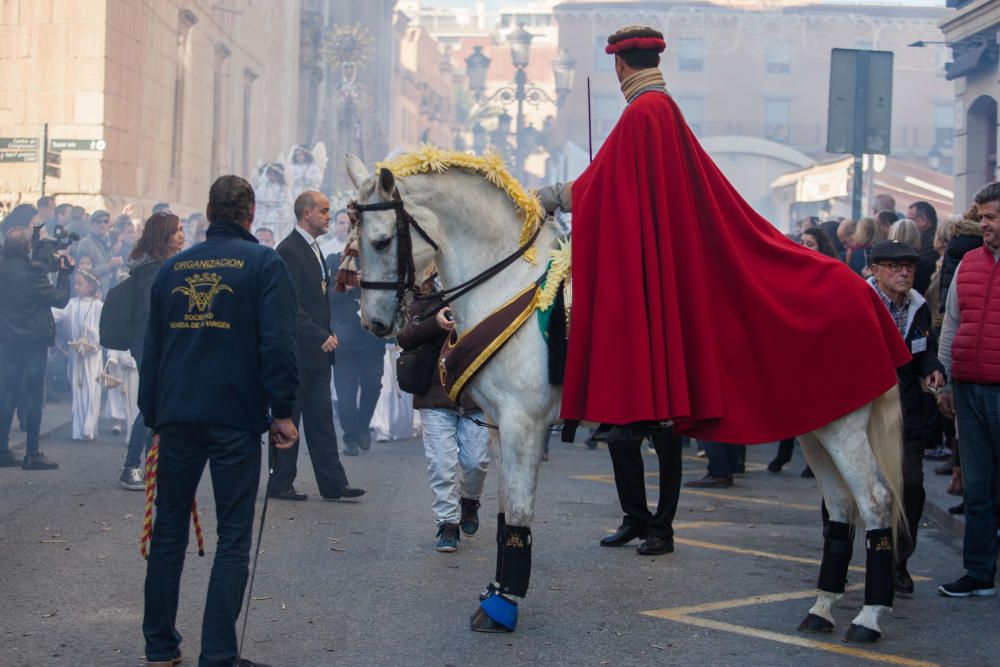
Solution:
(689, 306)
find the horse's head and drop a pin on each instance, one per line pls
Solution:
(390, 259)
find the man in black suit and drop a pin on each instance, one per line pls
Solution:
(315, 345)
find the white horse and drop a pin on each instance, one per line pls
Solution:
(474, 225)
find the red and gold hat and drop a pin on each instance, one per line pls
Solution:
(636, 37)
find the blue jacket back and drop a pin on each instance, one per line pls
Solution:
(220, 344)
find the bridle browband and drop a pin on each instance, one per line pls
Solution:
(405, 269)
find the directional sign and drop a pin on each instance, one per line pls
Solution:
(18, 149)
(53, 158)
(78, 144)
(54, 172)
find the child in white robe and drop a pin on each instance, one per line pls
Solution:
(79, 323)
(123, 391)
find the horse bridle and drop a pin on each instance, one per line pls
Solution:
(406, 280)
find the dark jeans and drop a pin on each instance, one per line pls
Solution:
(314, 406)
(914, 495)
(141, 438)
(724, 460)
(139, 441)
(358, 379)
(233, 456)
(630, 480)
(978, 409)
(23, 372)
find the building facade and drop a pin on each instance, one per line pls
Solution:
(180, 91)
(425, 86)
(971, 32)
(752, 78)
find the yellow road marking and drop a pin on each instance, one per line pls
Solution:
(698, 459)
(609, 479)
(683, 615)
(792, 640)
(748, 499)
(753, 552)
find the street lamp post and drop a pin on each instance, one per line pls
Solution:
(520, 90)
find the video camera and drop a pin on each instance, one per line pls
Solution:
(48, 251)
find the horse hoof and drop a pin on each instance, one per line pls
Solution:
(481, 622)
(859, 634)
(814, 623)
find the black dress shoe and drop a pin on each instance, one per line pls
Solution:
(623, 536)
(656, 546)
(350, 449)
(346, 492)
(288, 494)
(38, 462)
(9, 460)
(903, 582)
(710, 482)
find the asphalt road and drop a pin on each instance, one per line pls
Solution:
(343, 583)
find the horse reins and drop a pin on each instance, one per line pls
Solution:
(405, 269)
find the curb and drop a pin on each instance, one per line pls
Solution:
(42, 435)
(949, 523)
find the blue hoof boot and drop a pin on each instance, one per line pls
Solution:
(488, 591)
(499, 610)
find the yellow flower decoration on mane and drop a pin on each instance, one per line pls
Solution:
(431, 159)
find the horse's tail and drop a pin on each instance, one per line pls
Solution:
(885, 434)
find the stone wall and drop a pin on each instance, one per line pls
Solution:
(121, 70)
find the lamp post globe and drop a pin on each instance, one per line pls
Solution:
(564, 72)
(520, 45)
(476, 66)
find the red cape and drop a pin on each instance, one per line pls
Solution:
(688, 305)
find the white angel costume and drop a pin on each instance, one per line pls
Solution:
(122, 381)
(306, 174)
(79, 323)
(393, 417)
(274, 207)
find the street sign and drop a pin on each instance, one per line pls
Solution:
(52, 161)
(860, 106)
(78, 144)
(18, 149)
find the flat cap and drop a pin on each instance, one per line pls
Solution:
(636, 37)
(892, 251)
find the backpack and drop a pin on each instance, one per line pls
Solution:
(118, 316)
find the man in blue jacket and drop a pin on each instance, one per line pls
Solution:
(219, 355)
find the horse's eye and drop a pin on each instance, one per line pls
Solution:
(381, 244)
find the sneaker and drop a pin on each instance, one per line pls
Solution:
(966, 586)
(470, 516)
(38, 462)
(8, 459)
(132, 479)
(447, 537)
(941, 453)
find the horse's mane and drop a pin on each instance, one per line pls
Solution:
(490, 165)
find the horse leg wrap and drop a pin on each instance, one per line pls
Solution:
(494, 585)
(879, 567)
(837, 550)
(516, 561)
(501, 605)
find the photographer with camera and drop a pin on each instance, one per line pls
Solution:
(27, 330)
